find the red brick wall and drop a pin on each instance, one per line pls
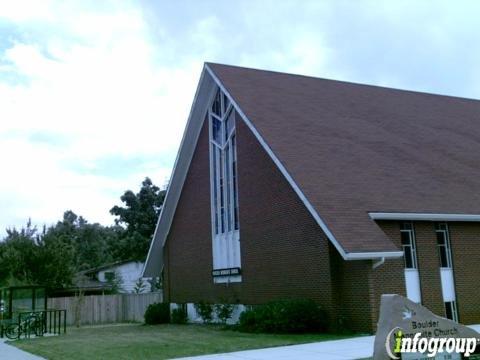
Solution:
(351, 281)
(188, 260)
(389, 277)
(465, 243)
(284, 253)
(429, 267)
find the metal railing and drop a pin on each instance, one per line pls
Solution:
(37, 323)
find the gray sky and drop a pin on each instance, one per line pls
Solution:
(94, 95)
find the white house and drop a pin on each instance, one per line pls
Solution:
(127, 273)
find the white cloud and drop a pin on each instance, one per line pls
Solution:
(95, 95)
(91, 83)
(26, 10)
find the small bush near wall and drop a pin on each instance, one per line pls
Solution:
(205, 311)
(224, 312)
(157, 313)
(179, 316)
(287, 316)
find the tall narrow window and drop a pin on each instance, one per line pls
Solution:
(235, 186)
(446, 270)
(223, 164)
(443, 244)
(408, 245)
(412, 278)
(451, 310)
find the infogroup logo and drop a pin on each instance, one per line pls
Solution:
(398, 342)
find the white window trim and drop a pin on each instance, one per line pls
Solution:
(226, 244)
(449, 269)
(447, 247)
(412, 278)
(454, 310)
(412, 245)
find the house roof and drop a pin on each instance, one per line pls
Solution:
(350, 151)
(354, 149)
(108, 266)
(81, 282)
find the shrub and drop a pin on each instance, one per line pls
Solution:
(287, 316)
(179, 316)
(157, 313)
(248, 321)
(224, 312)
(205, 310)
(341, 325)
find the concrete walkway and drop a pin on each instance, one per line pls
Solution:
(353, 348)
(12, 353)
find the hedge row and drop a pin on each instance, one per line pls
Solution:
(159, 313)
(286, 316)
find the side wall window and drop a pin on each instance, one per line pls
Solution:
(451, 310)
(446, 270)
(408, 245)
(443, 245)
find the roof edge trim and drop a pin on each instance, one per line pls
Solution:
(177, 177)
(374, 255)
(423, 216)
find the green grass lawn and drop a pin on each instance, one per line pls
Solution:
(135, 341)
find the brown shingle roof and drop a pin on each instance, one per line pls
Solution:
(354, 149)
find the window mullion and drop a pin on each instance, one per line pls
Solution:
(408, 245)
(232, 185)
(218, 202)
(227, 186)
(222, 138)
(414, 249)
(449, 250)
(234, 168)
(214, 187)
(230, 213)
(223, 214)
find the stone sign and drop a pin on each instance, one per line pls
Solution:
(407, 330)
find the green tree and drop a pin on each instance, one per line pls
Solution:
(56, 261)
(52, 256)
(116, 282)
(139, 217)
(18, 256)
(30, 257)
(94, 244)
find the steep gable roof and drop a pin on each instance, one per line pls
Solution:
(348, 150)
(355, 149)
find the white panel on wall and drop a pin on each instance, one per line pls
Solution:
(448, 284)
(412, 284)
(194, 317)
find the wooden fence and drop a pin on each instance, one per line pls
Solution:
(103, 309)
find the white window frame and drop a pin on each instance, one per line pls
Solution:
(453, 310)
(446, 273)
(442, 228)
(225, 231)
(407, 227)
